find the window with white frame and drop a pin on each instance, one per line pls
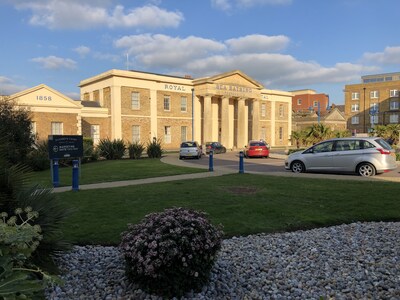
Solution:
(167, 103)
(183, 104)
(355, 107)
(394, 93)
(95, 133)
(263, 110)
(298, 101)
(374, 108)
(263, 133)
(373, 119)
(56, 128)
(135, 133)
(355, 120)
(394, 118)
(355, 96)
(167, 134)
(281, 111)
(315, 103)
(135, 97)
(374, 94)
(394, 104)
(183, 133)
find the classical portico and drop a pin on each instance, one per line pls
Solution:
(229, 108)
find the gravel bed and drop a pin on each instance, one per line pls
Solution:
(356, 261)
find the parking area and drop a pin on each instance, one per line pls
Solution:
(274, 165)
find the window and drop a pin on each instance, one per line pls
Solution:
(167, 100)
(183, 104)
(135, 134)
(394, 118)
(56, 128)
(95, 133)
(281, 110)
(394, 93)
(355, 107)
(323, 147)
(298, 101)
(135, 100)
(167, 134)
(373, 119)
(355, 120)
(374, 94)
(280, 133)
(315, 103)
(263, 110)
(355, 96)
(374, 108)
(183, 133)
(394, 105)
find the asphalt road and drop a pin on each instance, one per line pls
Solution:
(269, 166)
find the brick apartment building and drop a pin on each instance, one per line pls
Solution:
(309, 100)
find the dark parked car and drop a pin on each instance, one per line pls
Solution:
(216, 147)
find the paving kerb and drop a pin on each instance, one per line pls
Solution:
(217, 171)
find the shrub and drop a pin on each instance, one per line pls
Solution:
(135, 150)
(172, 252)
(154, 149)
(38, 158)
(111, 149)
(90, 153)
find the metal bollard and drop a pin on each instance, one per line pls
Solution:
(241, 164)
(211, 161)
(75, 175)
(55, 175)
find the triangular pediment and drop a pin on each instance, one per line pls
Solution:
(335, 115)
(236, 78)
(43, 95)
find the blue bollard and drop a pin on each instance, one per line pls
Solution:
(75, 175)
(55, 175)
(241, 164)
(211, 161)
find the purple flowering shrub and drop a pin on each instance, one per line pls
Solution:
(171, 252)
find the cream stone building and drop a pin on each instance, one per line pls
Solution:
(231, 108)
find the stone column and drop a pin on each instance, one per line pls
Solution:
(207, 126)
(225, 122)
(242, 126)
(116, 120)
(256, 120)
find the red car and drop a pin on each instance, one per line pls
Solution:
(257, 149)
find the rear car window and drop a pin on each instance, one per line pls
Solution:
(187, 145)
(385, 145)
(257, 144)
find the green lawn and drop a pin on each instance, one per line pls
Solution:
(114, 170)
(243, 203)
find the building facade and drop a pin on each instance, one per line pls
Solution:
(309, 100)
(375, 101)
(230, 108)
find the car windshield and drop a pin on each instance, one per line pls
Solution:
(383, 144)
(188, 144)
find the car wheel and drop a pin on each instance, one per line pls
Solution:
(366, 170)
(297, 167)
(180, 157)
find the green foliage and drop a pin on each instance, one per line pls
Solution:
(15, 127)
(154, 148)
(389, 132)
(172, 252)
(135, 150)
(315, 134)
(111, 149)
(38, 157)
(19, 238)
(90, 153)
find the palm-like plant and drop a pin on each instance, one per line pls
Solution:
(318, 132)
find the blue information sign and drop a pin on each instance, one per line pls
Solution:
(65, 146)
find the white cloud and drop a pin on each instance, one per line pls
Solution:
(61, 14)
(257, 43)
(391, 55)
(54, 62)
(228, 5)
(8, 87)
(82, 50)
(255, 55)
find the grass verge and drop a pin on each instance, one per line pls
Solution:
(243, 203)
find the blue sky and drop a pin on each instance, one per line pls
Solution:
(283, 44)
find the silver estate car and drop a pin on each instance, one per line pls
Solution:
(366, 156)
(190, 149)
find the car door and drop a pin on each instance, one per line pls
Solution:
(346, 154)
(319, 157)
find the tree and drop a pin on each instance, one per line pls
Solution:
(318, 133)
(15, 124)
